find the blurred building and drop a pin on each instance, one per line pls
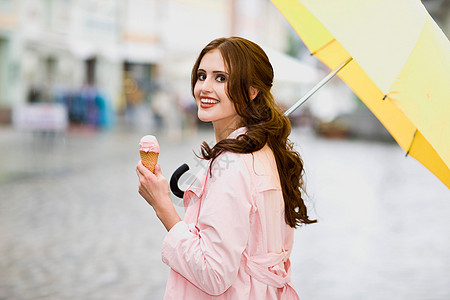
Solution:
(127, 50)
(50, 49)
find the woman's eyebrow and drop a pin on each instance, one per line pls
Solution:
(214, 72)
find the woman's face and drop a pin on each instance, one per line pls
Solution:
(210, 92)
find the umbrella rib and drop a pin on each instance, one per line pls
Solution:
(412, 142)
(316, 88)
(322, 47)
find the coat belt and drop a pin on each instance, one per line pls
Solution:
(258, 268)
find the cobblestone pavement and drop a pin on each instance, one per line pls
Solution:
(72, 225)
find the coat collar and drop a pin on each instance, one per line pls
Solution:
(237, 132)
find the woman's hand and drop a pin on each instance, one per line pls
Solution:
(154, 188)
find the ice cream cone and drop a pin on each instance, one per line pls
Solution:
(149, 149)
(149, 160)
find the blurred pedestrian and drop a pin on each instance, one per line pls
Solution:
(237, 233)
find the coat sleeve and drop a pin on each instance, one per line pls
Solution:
(208, 253)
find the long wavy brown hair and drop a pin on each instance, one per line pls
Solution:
(248, 66)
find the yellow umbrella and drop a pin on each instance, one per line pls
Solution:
(398, 64)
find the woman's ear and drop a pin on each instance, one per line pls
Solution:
(253, 93)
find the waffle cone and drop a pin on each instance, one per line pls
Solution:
(149, 160)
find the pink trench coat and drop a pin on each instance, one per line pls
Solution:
(234, 242)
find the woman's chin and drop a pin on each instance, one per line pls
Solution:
(204, 118)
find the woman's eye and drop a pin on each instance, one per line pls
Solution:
(221, 78)
(201, 77)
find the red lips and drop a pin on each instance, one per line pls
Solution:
(207, 105)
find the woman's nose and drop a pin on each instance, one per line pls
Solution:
(207, 85)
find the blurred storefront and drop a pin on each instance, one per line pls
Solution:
(51, 51)
(8, 66)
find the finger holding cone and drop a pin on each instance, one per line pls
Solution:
(149, 150)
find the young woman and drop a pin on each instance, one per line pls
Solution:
(237, 233)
